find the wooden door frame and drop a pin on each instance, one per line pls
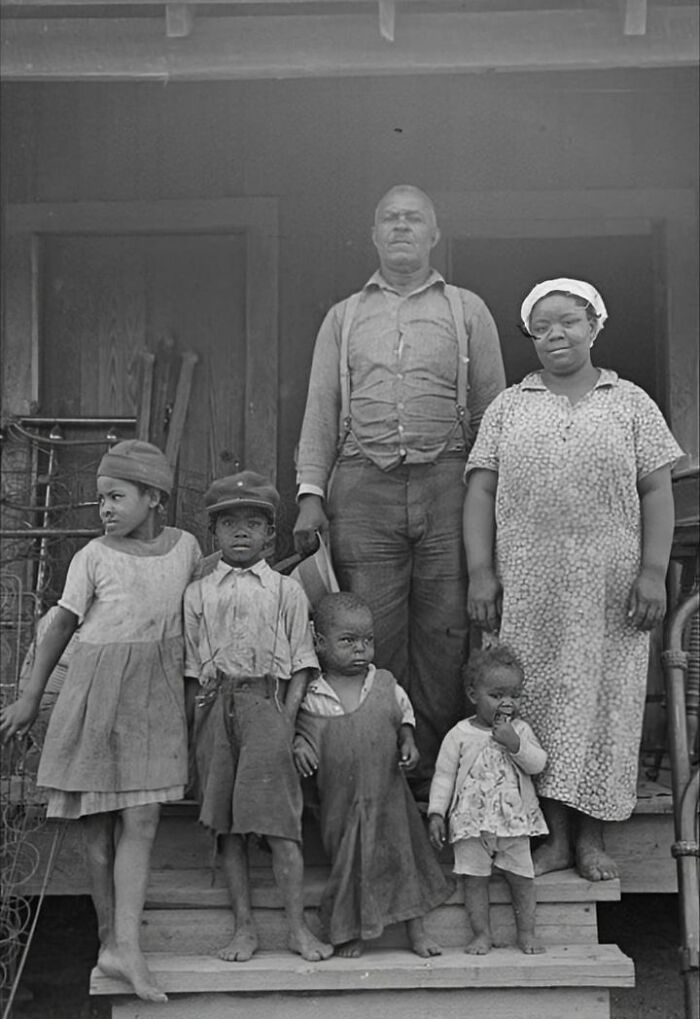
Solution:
(24, 226)
(668, 215)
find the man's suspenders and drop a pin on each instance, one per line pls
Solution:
(455, 302)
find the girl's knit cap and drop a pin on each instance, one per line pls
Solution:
(135, 460)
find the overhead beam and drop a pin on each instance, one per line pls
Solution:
(635, 17)
(64, 49)
(179, 19)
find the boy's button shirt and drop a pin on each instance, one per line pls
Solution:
(247, 622)
(321, 698)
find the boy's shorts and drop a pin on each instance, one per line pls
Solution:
(478, 856)
(246, 778)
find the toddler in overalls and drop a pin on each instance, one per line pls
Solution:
(249, 646)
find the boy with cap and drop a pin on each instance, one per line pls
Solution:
(249, 647)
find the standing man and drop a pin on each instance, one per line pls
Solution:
(401, 375)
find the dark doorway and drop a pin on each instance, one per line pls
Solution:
(623, 268)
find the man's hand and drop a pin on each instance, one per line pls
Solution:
(305, 757)
(17, 718)
(311, 522)
(484, 599)
(436, 831)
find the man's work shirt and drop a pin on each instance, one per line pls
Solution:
(402, 358)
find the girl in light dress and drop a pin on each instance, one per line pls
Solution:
(482, 792)
(116, 745)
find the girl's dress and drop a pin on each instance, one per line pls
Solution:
(568, 541)
(118, 734)
(383, 869)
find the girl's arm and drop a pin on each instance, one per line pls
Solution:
(20, 715)
(647, 598)
(408, 751)
(479, 529)
(530, 756)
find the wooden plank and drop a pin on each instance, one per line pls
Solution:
(205, 931)
(561, 966)
(328, 45)
(492, 1003)
(176, 426)
(262, 396)
(635, 17)
(147, 363)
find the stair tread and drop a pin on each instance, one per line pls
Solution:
(559, 966)
(193, 888)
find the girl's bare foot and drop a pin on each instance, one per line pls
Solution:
(530, 945)
(305, 944)
(350, 949)
(552, 856)
(242, 946)
(421, 943)
(479, 945)
(129, 964)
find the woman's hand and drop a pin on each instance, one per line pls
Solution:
(17, 718)
(484, 599)
(646, 606)
(305, 757)
(436, 831)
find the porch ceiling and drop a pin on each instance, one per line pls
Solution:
(234, 39)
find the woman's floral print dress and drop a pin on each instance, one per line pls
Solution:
(568, 542)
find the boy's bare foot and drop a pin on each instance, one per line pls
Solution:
(593, 863)
(129, 964)
(242, 946)
(480, 945)
(350, 949)
(552, 856)
(305, 944)
(530, 945)
(421, 943)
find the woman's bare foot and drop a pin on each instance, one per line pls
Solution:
(242, 946)
(129, 964)
(592, 862)
(479, 945)
(552, 856)
(305, 944)
(530, 945)
(421, 943)
(350, 949)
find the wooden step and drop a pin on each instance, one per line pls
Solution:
(198, 888)
(386, 984)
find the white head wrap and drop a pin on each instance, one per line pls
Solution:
(578, 288)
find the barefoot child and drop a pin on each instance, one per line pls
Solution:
(356, 730)
(249, 647)
(116, 745)
(482, 782)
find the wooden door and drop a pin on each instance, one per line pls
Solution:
(105, 297)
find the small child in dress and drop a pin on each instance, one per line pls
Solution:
(482, 783)
(116, 744)
(355, 729)
(250, 651)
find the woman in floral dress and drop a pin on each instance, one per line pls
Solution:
(568, 526)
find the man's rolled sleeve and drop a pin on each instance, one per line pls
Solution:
(319, 430)
(486, 374)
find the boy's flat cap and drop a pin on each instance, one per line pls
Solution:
(244, 489)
